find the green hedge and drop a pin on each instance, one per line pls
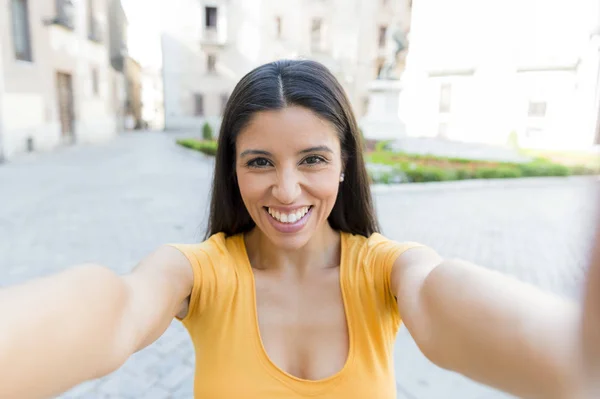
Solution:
(207, 147)
(425, 168)
(414, 168)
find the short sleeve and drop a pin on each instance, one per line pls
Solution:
(381, 255)
(205, 259)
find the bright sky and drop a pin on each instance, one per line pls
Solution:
(147, 19)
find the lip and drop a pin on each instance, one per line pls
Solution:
(288, 209)
(288, 228)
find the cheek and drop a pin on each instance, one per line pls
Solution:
(252, 187)
(324, 185)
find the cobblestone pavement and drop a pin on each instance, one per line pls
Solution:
(116, 202)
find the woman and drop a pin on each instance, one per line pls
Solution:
(294, 293)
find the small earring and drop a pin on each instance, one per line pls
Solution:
(341, 177)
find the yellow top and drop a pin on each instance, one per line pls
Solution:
(231, 361)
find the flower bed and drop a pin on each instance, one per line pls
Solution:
(385, 166)
(391, 167)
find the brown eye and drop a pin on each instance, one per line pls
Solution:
(258, 163)
(314, 160)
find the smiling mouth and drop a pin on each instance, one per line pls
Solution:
(289, 218)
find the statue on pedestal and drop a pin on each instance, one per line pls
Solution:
(396, 44)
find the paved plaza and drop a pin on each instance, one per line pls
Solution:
(114, 203)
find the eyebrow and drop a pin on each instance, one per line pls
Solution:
(319, 148)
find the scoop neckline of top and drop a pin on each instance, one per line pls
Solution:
(276, 371)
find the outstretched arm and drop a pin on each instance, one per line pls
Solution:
(591, 325)
(487, 326)
(83, 323)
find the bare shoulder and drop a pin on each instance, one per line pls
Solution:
(412, 266)
(159, 289)
(166, 259)
(172, 267)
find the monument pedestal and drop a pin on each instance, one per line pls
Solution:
(382, 121)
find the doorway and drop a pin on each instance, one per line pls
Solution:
(66, 111)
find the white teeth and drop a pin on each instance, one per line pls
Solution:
(288, 218)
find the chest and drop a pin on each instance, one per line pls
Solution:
(302, 325)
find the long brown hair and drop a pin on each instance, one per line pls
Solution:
(274, 86)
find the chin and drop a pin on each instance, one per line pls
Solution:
(289, 242)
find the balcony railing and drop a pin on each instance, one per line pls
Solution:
(65, 14)
(211, 36)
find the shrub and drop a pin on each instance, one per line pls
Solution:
(383, 145)
(206, 147)
(464, 174)
(583, 170)
(501, 172)
(543, 168)
(207, 132)
(421, 174)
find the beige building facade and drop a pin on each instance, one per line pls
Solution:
(216, 42)
(56, 73)
(522, 72)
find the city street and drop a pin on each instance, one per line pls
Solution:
(114, 203)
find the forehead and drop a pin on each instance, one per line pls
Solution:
(290, 127)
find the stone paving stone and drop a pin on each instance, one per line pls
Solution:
(184, 391)
(113, 204)
(82, 390)
(157, 392)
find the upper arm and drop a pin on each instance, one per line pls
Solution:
(409, 272)
(487, 326)
(158, 289)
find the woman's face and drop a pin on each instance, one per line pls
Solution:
(288, 165)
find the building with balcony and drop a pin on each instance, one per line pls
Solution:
(56, 75)
(215, 42)
(117, 39)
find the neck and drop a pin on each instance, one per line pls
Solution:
(322, 251)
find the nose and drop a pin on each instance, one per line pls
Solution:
(287, 187)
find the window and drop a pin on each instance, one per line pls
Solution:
(382, 36)
(21, 38)
(95, 82)
(198, 104)
(211, 17)
(94, 31)
(224, 99)
(211, 63)
(316, 34)
(278, 27)
(90, 17)
(445, 97)
(537, 109)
